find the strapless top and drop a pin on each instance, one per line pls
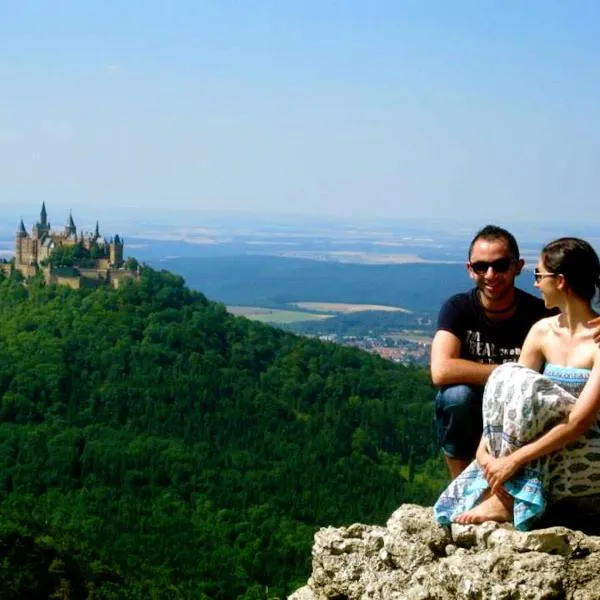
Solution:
(569, 378)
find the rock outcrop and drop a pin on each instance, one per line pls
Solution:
(412, 558)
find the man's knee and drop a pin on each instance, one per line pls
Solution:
(458, 420)
(459, 398)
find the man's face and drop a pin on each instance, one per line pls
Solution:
(493, 269)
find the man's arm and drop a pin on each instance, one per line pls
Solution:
(447, 368)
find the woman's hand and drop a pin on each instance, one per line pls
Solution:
(499, 470)
(483, 456)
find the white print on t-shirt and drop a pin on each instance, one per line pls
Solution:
(486, 352)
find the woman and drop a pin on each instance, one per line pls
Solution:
(541, 438)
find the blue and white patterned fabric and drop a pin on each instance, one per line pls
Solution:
(569, 378)
(518, 406)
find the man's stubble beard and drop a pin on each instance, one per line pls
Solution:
(503, 293)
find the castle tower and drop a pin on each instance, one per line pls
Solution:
(116, 251)
(42, 227)
(21, 235)
(44, 217)
(70, 228)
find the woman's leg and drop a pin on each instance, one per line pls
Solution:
(493, 507)
(496, 399)
(470, 490)
(518, 405)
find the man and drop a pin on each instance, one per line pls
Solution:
(477, 331)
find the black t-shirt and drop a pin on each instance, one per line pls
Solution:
(486, 341)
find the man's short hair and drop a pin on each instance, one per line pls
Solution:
(493, 232)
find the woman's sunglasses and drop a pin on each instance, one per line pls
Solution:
(499, 266)
(539, 275)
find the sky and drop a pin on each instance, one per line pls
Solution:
(463, 110)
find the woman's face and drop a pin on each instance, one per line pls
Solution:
(546, 283)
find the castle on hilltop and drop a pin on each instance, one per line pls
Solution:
(70, 258)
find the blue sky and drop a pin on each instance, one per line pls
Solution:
(487, 111)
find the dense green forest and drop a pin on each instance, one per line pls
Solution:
(154, 446)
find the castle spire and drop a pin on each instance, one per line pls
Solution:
(44, 216)
(71, 229)
(22, 230)
(97, 232)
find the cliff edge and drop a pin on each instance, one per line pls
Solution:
(412, 558)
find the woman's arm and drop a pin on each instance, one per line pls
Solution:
(531, 353)
(575, 424)
(482, 456)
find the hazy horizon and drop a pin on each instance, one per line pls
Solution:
(162, 234)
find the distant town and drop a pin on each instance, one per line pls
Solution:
(397, 350)
(393, 333)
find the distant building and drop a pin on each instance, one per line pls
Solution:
(97, 261)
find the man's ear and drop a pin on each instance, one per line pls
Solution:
(519, 264)
(470, 271)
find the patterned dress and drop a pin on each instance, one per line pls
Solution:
(518, 406)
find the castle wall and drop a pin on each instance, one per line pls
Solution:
(18, 248)
(93, 273)
(29, 251)
(117, 277)
(43, 253)
(103, 263)
(72, 282)
(27, 270)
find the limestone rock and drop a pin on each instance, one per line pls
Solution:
(412, 558)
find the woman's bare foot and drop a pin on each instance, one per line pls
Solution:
(490, 509)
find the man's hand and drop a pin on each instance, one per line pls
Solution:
(596, 333)
(499, 470)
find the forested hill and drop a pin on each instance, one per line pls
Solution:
(154, 446)
(259, 280)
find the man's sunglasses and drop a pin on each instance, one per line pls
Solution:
(499, 266)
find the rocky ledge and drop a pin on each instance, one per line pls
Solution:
(412, 558)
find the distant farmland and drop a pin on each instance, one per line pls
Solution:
(344, 308)
(275, 315)
(319, 311)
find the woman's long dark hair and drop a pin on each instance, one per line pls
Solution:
(578, 262)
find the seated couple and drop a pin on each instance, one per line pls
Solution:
(541, 427)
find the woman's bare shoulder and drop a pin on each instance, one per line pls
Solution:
(545, 325)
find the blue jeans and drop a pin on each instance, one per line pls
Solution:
(458, 420)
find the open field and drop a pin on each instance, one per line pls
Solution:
(344, 308)
(274, 315)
